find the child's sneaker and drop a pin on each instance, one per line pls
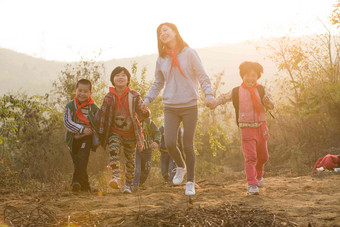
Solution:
(260, 182)
(76, 187)
(142, 187)
(178, 178)
(127, 189)
(114, 183)
(253, 190)
(190, 188)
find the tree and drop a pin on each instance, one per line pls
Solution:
(308, 83)
(335, 16)
(28, 133)
(65, 85)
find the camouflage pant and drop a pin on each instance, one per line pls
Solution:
(118, 143)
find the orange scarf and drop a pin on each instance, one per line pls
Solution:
(79, 113)
(256, 101)
(174, 59)
(120, 97)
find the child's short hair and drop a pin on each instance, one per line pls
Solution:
(117, 70)
(246, 66)
(85, 82)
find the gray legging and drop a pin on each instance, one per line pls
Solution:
(172, 119)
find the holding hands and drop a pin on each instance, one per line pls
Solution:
(212, 103)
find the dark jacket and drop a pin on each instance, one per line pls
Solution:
(151, 133)
(92, 112)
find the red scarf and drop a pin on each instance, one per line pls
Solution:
(120, 97)
(256, 101)
(79, 113)
(174, 59)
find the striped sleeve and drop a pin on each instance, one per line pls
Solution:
(101, 114)
(69, 124)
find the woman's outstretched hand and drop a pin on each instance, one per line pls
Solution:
(211, 103)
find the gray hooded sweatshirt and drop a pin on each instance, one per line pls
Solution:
(180, 91)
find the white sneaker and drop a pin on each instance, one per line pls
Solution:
(253, 190)
(178, 178)
(190, 188)
(260, 182)
(114, 183)
(127, 189)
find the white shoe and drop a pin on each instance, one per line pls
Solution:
(114, 183)
(190, 188)
(178, 178)
(127, 189)
(253, 190)
(260, 183)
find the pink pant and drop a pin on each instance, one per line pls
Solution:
(255, 151)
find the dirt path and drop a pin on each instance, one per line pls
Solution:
(305, 200)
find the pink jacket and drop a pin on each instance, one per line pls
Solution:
(247, 111)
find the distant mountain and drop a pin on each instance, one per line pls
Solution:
(36, 75)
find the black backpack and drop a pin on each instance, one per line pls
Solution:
(236, 101)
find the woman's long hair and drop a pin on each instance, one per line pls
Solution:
(180, 42)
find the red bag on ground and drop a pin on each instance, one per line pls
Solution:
(327, 162)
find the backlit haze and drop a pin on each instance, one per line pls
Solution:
(65, 30)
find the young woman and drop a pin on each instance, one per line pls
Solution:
(180, 70)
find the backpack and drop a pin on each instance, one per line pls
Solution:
(236, 100)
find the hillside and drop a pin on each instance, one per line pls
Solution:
(35, 75)
(221, 201)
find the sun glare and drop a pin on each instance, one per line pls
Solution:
(127, 28)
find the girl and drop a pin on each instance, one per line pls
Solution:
(179, 68)
(119, 127)
(249, 101)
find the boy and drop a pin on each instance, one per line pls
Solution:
(79, 120)
(119, 126)
(152, 138)
(250, 100)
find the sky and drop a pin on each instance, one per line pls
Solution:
(67, 30)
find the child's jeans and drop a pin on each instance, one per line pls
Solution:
(128, 145)
(255, 151)
(167, 166)
(80, 157)
(143, 166)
